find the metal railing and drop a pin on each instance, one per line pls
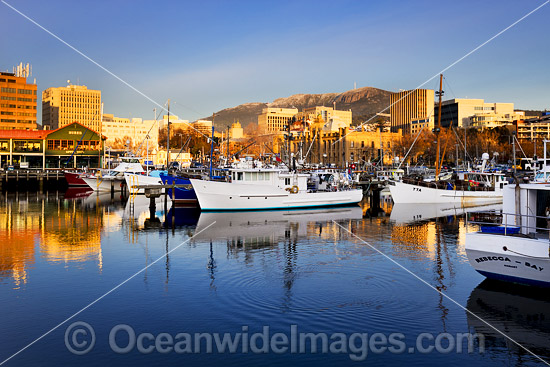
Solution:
(511, 229)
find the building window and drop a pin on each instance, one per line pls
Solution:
(64, 144)
(50, 144)
(8, 90)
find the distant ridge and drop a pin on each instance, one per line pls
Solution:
(363, 102)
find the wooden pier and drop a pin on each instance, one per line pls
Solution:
(27, 178)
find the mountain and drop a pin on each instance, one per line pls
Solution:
(363, 102)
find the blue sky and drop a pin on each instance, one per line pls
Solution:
(210, 55)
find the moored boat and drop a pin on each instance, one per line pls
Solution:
(263, 189)
(74, 179)
(184, 194)
(114, 179)
(472, 188)
(517, 249)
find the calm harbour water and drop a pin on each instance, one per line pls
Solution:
(243, 272)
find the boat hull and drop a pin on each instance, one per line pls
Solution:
(405, 193)
(183, 196)
(104, 183)
(133, 179)
(222, 196)
(525, 260)
(74, 179)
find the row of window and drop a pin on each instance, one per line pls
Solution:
(9, 98)
(3, 105)
(70, 144)
(22, 146)
(20, 91)
(9, 80)
(251, 176)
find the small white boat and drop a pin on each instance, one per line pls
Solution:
(518, 249)
(135, 179)
(114, 179)
(264, 189)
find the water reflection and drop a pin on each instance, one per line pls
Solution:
(61, 229)
(522, 313)
(255, 229)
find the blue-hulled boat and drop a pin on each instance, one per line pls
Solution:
(183, 196)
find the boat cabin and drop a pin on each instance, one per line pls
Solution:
(286, 180)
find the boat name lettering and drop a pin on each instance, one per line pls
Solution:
(493, 258)
(417, 189)
(533, 266)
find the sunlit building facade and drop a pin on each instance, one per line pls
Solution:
(73, 103)
(17, 103)
(408, 106)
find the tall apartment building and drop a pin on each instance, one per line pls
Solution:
(65, 105)
(273, 120)
(407, 106)
(461, 111)
(17, 102)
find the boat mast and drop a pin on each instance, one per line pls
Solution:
(212, 145)
(168, 139)
(438, 128)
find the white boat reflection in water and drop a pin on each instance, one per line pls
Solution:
(521, 312)
(409, 213)
(263, 224)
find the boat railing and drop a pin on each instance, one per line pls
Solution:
(460, 185)
(509, 224)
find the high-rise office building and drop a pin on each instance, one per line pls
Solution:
(17, 102)
(65, 105)
(407, 106)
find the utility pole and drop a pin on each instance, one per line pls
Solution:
(168, 139)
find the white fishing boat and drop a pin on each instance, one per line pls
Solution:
(518, 249)
(470, 188)
(262, 189)
(113, 179)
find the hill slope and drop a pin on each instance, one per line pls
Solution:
(363, 102)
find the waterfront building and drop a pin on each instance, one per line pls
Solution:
(492, 120)
(273, 120)
(423, 124)
(184, 158)
(407, 106)
(334, 119)
(118, 130)
(71, 146)
(175, 122)
(463, 112)
(203, 127)
(534, 128)
(64, 105)
(17, 102)
(344, 147)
